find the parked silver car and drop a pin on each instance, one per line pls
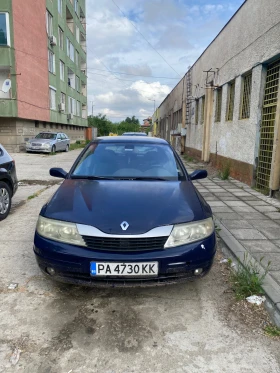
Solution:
(48, 142)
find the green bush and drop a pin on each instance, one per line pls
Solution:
(225, 172)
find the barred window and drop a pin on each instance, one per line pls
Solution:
(218, 112)
(246, 97)
(230, 103)
(196, 111)
(202, 109)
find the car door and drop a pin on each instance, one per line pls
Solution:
(59, 142)
(64, 140)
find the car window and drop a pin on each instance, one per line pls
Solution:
(63, 136)
(129, 160)
(59, 136)
(46, 136)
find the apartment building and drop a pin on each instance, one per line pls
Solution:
(226, 109)
(43, 59)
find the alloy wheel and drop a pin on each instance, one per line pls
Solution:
(4, 201)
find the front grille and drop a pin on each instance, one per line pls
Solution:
(125, 244)
(36, 144)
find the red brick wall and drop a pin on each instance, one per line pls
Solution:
(30, 43)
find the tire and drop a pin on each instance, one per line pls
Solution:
(67, 148)
(5, 200)
(53, 149)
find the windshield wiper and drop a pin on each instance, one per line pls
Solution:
(85, 177)
(145, 178)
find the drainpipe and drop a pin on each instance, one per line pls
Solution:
(208, 111)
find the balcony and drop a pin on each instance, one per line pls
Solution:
(84, 111)
(83, 42)
(69, 20)
(83, 18)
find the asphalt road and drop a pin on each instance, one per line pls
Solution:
(62, 329)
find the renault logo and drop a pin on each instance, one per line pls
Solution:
(124, 225)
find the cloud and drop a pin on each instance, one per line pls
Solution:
(179, 30)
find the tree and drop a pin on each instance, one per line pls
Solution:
(104, 125)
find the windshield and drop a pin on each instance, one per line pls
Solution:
(129, 161)
(48, 136)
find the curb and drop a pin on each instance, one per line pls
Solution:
(234, 249)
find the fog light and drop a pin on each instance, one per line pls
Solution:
(50, 271)
(198, 271)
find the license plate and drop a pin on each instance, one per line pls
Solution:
(123, 269)
(35, 147)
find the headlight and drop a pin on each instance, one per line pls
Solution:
(59, 231)
(47, 145)
(183, 234)
(27, 144)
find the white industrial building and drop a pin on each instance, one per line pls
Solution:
(227, 106)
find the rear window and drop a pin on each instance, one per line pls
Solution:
(129, 160)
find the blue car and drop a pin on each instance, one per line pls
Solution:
(126, 214)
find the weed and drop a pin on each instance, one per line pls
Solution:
(78, 145)
(247, 280)
(272, 331)
(225, 172)
(33, 195)
(188, 158)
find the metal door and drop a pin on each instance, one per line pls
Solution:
(267, 126)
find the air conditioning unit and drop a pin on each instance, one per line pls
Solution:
(53, 40)
(61, 106)
(84, 71)
(70, 116)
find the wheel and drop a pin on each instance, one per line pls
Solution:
(5, 200)
(67, 148)
(53, 149)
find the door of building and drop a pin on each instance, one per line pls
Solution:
(268, 126)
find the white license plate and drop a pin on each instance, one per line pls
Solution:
(124, 269)
(36, 147)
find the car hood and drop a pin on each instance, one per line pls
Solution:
(143, 204)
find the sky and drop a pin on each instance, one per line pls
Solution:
(138, 50)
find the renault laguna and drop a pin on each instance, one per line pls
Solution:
(126, 214)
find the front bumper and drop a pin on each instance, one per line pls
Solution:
(40, 150)
(72, 263)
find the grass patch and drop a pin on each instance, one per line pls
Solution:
(272, 331)
(247, 280)
(224, 173)
(78, 145)
(33, 195)
(187, 158)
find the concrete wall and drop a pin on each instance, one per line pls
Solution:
(15, 132)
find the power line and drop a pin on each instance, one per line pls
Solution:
(145, 76)
(145, 39)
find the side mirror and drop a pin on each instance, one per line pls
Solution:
(58, 172)
(198, 174)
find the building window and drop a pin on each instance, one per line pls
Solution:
(246, 97)
(60, 38)
(71, 105)
(77, 84)
(70, 50)
(63, 98)
(76, 6)
(60, 7)
(196, 111)
(218, 112)
(230, 103)
(62, 70)
(49, 20)
(77, 57)
(78, 108)
(202, 109)
(71, 79)
(52, 92)
(51, 62)
(4, 29)
(77, 34)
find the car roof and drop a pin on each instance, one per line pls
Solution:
(51, 133)
(140, 139)
(134, 133)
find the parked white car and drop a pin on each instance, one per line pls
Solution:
(48, 142)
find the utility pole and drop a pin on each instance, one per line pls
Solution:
(92, 108)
